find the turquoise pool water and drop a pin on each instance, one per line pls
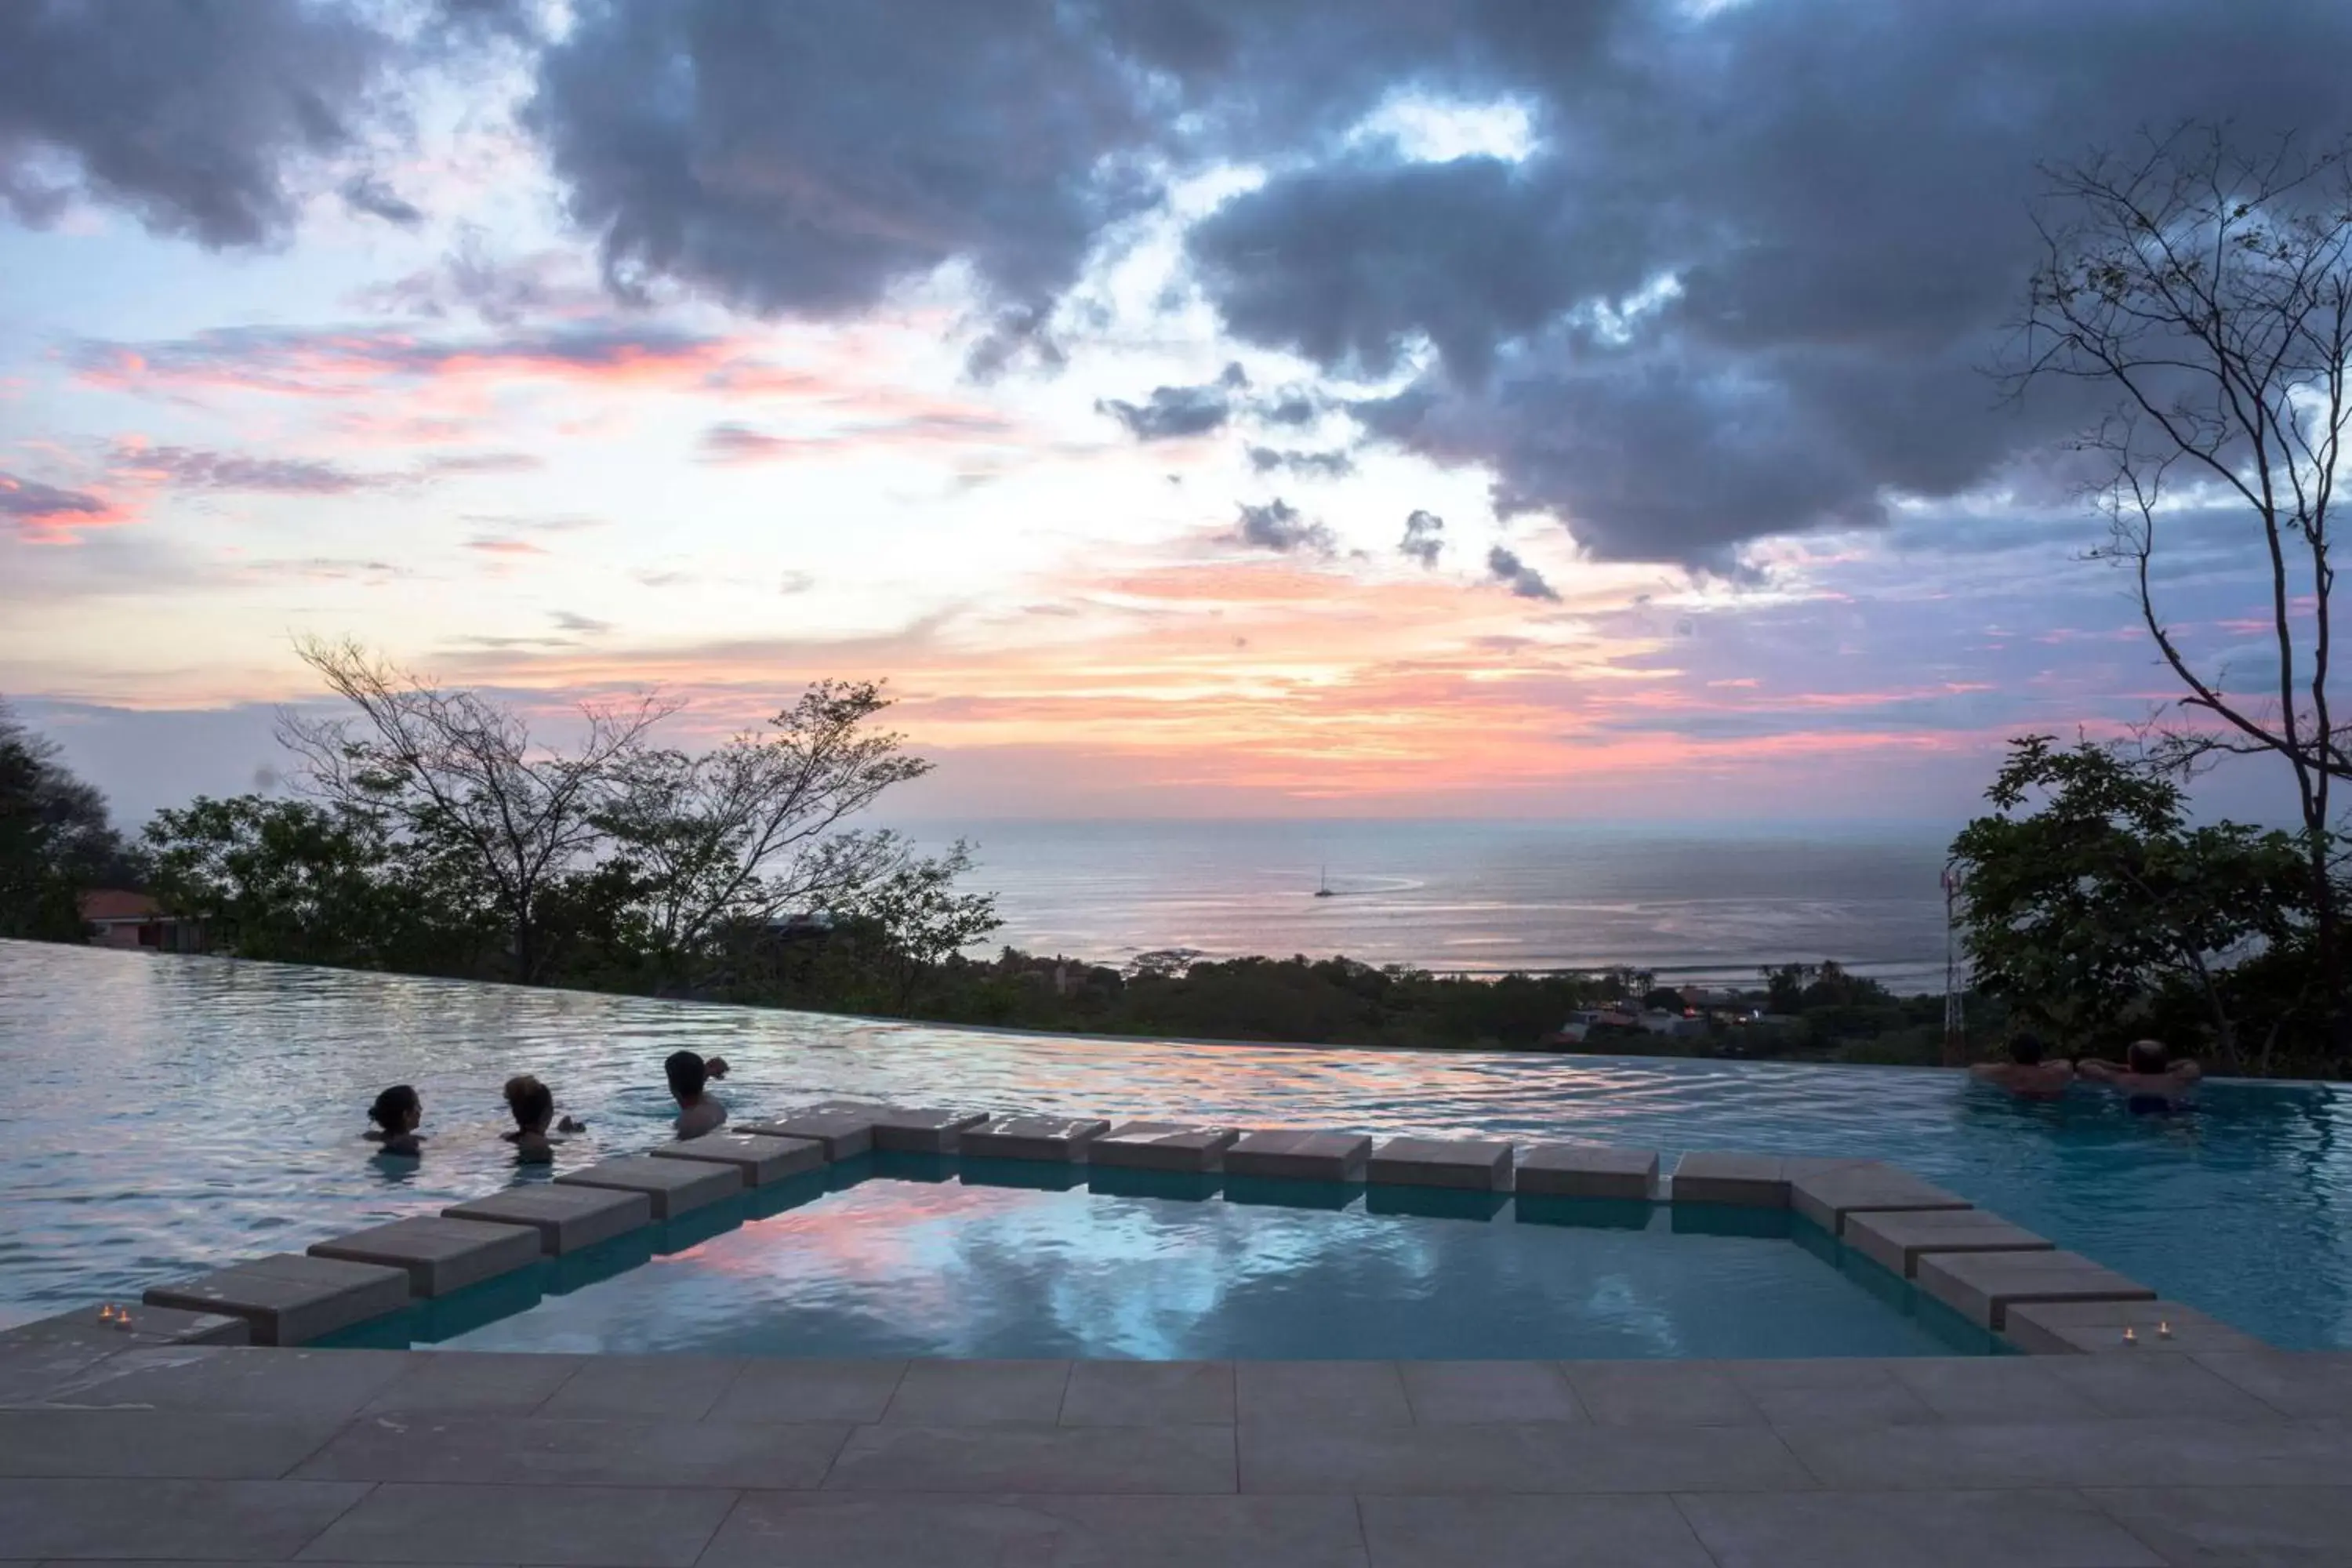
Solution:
(158, 1115)
(907, 1257)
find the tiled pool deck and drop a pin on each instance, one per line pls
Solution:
(207, 1453)
(2144, 1434)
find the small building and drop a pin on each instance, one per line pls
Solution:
(1658, 1021)
(120, 918)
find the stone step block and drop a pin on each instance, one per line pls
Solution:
(1983, 1286)
(1747, 1181)
(1827, 1197)
(1057, 1138)
(1289, 1154)
(843, 1134)
(1581, 1171)
(288, 1299)
(441, 1255)
(2096, 1328)
(1476, 1163)
(763, 1160)
(567, 1219)
(1897, 1240)
(1162, 1146)
(673, 1186)
(910, 1129)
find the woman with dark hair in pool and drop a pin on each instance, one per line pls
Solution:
(397, 1112)
(533, 1104)
(2147, 1077)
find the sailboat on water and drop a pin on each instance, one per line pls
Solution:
(1324, 890)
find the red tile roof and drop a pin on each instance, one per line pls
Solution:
(116, 904)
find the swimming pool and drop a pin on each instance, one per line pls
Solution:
(163, 1114)
(903, 1255)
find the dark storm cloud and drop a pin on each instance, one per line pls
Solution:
(802, 159)
(1278, 525)
(1838, 190)
(200, 118)
(1424, 538)
(1524, 580)
(1322, 465)
(1172, 411)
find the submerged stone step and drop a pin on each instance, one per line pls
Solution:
(1475, 1164)
(842, 1134)
(1748, 1181)
(567, 1219)
(288, 1299)
(1289, 1154)
(1897, 1241)
(1983, 1286)
(762, 1158)
(673, 1186)
(2096, 1328)
(1062, 1138)
(1581, 1171)
(441, 1255)
(1162, 1146)
(1827, 1195)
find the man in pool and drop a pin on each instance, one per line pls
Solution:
(2147, 1077)
(697, 1111)
(2027, 1074)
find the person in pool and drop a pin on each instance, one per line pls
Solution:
(2149, 1078)
(2028, 1073)
(397, 1112)
(533, 1104)
(698, 1111)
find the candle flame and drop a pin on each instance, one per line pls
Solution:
(2130, 1338)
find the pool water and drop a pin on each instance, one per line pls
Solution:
(159, 1115)
(909, 1257)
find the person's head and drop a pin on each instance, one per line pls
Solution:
(714, 1068)
(532, 1102)
(2148, 1056)
(2025, 1049)
(685, 1074)
(396, 1110)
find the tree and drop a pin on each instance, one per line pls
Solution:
(2092, 912)
(915, 905)
(308, 883)
(2212, 291)
(745, 832)
(461, 775)
(54, 840)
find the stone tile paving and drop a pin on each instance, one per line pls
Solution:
(257, 1455)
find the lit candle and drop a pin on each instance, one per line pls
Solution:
(2130, 1338)
(2163, 1330)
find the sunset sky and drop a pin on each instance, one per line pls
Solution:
(1222, 407)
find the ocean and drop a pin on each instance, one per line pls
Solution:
(1711, 903)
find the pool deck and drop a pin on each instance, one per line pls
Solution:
(232, 1454)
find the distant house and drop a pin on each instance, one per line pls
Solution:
(1658, 1021)
(119, 918)
(1713, 998)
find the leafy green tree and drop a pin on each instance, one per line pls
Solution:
(55, 842)
(308, 883)
(751, 830)
(2092, 906)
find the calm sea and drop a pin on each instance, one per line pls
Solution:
(1709, 903)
